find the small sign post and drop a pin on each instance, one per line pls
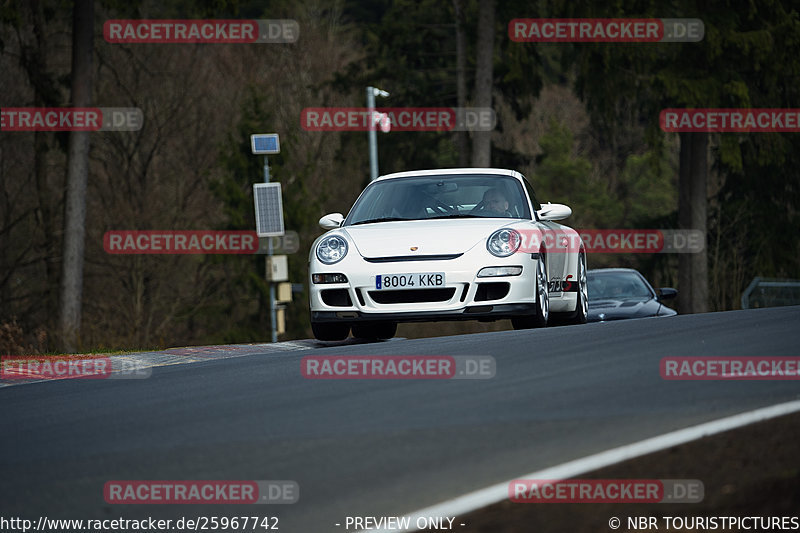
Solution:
(266, 144)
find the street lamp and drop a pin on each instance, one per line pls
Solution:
(372, 92)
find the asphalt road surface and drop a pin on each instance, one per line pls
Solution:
(374, 447)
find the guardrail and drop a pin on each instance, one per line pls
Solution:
(771, 292)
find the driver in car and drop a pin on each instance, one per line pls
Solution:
(494, 204)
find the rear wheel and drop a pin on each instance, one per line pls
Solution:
(375, 330)
(582, 305)
(542, 312)
(332, 331)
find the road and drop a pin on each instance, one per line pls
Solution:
(374, 447)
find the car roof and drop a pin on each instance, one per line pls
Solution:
(447, 171)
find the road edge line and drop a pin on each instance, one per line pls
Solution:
(481, 498)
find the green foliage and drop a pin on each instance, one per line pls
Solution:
(563, 177)
(191, 9)
(410, 51)
(558, 170)
(749, 57)
(9, 16)
(234, 189)
(650, 191)
(619, 172)
(644, 191)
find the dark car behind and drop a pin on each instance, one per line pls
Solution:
(621, 293)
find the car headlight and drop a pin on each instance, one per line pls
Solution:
(504, 242)
(331, 249)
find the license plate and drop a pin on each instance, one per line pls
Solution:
(409, 281)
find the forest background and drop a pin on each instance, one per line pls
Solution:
(579, 119)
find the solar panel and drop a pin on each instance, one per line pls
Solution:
(269, 209)
(265, 143)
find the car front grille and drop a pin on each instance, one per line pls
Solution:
(412, 296)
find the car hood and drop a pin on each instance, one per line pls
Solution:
(616, 309)
(430, 237)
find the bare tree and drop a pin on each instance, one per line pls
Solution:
(482, 140)
(77, 174)
(692, 207)
(461, 79)
(32, 192)
(194, 99)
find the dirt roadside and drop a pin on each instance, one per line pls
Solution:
(751, 471)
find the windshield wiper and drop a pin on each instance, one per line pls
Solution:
(385, 219)
(455, 216)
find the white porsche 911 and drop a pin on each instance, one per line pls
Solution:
(449, 244)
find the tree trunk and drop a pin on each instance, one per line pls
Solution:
(77, 173)
(462, 137)
(482, 140)
(692, 205)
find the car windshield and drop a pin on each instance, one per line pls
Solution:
(617, 286)
(437, 197)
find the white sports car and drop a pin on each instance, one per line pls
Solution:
(449, 244)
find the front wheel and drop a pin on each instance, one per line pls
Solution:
(542, 312)
(333, 331)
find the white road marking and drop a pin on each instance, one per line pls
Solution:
(496, 493)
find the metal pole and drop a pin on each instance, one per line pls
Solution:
(373, 137)
(272, 314)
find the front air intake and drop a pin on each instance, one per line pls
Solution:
(412, 296)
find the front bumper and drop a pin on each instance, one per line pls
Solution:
(464, 296)
(473, 312)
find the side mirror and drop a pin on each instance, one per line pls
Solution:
(666, 293)
(554, 211)
(332, 221)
